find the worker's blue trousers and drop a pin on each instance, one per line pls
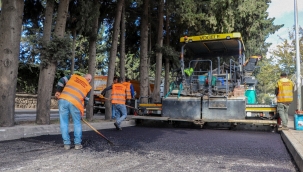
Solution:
(120, 113)
(66, 108)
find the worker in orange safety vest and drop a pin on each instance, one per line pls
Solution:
(129, 93)
(118, 98)
(73, 93)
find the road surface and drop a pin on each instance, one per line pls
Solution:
(152, 148)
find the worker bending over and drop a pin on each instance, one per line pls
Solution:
(73, 93)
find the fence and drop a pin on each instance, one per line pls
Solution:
(30, 101)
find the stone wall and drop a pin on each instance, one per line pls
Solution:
(30, 101)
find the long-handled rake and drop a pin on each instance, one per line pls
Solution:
(111, 143)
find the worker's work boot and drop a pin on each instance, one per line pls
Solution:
(284, 128)
(77, 147)
(117, 126)
(67, 147)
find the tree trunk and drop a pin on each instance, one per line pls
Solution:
(47, 26)
(143, 54)
(122, 45)
(156, 91)
(47, 74)
(73, 51)
(10, 35)
(167, 38)
(92, 62)
(112, 58)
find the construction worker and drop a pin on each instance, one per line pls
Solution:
(284, 93)
(115, 80)
(118, 98)
(129, 93)
(73, 93)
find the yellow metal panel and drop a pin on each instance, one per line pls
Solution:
(150, 105)
(211, 37)
(261, 109)
(148, 108)
(245, 121)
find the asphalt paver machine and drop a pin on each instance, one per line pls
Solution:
(212, 87)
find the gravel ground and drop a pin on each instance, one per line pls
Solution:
(151, 149)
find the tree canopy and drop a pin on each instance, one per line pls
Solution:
(50, 28)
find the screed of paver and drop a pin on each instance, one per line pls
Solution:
(151, 149)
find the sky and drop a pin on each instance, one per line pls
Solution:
(283, 12)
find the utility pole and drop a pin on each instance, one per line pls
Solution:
(298, 69)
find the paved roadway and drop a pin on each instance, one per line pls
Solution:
(150, 149)
(30, 114)
(254, 144)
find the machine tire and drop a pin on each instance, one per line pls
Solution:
(139, 121)
(176, 124)
(96, 111)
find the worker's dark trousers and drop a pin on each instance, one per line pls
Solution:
(282, 109)
(128, 103)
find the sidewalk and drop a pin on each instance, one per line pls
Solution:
(293, 139)
(30, 129)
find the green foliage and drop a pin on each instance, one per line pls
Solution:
(267, 77)
(82, 14)
(33, 10)
(191, 17)
(27, 87)
(27, 80)
(249, 17)
(29, 52)
(281, 60)
(56, 50)
(132, 64)
(265, 99)
(285, 53)
(170, 53)
(268, 100)
(81, 54)
(28, 77)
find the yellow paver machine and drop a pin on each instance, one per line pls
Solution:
(215, 87)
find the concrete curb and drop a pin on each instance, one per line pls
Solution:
(24, 131)
(294, 147)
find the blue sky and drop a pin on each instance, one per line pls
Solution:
(283, 11)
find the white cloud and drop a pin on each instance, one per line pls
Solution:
(283, 11)
(283, 33)
(275, 39)
(278, 8)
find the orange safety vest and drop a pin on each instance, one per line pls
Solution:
(118, 94)
(128, 93)
(75, 91)
(285, 94)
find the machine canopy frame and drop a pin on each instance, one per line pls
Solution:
(227, 44)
